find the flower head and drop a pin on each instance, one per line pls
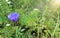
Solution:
(13, 16)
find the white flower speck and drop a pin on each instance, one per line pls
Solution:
(36, 9)
(7, 24)
(0, 4)
(22, 30)
(7, 0)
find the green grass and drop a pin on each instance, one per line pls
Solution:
(43, 21)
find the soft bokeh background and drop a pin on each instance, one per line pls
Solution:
(42, 17)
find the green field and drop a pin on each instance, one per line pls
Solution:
(37, 19)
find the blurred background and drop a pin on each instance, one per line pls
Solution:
(37, 19)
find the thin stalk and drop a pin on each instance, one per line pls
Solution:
(57, 25)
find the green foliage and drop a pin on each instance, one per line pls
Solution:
(45, 22)
(30, 18)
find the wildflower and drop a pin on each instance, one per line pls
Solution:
(13, 16)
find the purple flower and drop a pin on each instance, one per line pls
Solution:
(13, 16)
